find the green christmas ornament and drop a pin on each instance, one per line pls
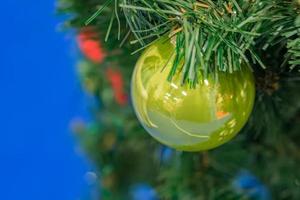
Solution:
(185, 118)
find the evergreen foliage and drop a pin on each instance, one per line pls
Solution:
(211, 35)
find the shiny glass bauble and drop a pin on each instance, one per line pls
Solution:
(185, 118)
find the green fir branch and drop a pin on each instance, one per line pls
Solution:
(267, 149)
(221, 33)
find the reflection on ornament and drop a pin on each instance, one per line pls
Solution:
(190, 119)
(221, 114)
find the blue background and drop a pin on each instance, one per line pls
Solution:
(40, 95)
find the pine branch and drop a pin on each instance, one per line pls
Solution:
(215, 35)
(116, 142)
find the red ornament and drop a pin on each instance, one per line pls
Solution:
(88, 42)
(116, 80)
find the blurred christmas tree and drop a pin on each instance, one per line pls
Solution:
(209, 42)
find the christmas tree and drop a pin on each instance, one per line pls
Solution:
(214, 82)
